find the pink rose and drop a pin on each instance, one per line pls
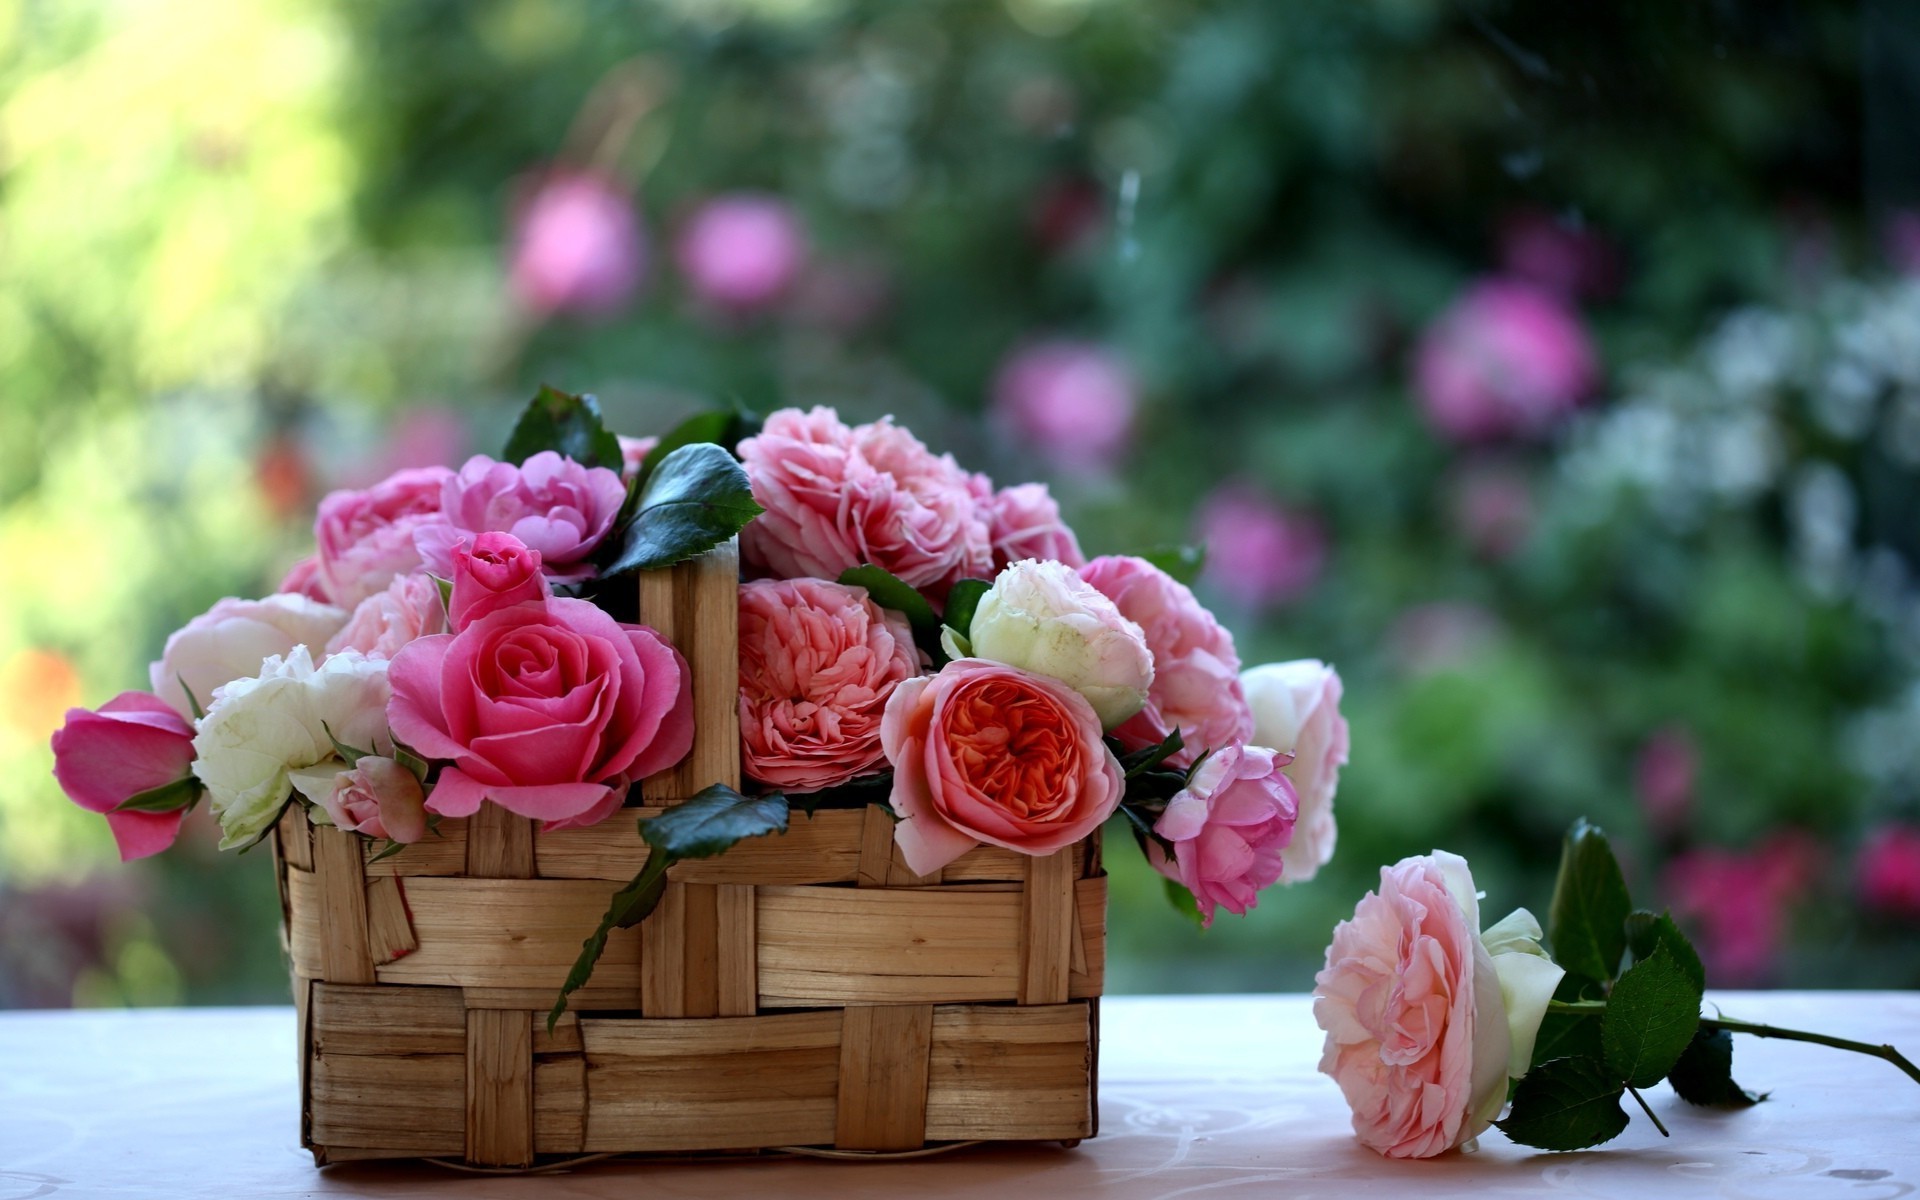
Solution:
(1296, 709)
(1426, 1018)
(230, 640)
(133, 744)
(1258, 552)
(553, 504)
(1506, 359)
(1071, 401)
(410, 608)
(495, 571)
(365, 538)
(988, 753)
(577, 245)
(1196, 673)
(741, 252)
(550, 711)
(303, 579)
(1889, 870)
(836, 497)
(818, 663)
(1024, 522)
(1228, 827)
(376, 796)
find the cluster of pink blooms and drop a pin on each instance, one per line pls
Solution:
(1008, 744)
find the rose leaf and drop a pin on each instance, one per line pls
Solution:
(568, 424)
(696, 499)
(1651, 1016)
(1586, 922)
(1567, 1104)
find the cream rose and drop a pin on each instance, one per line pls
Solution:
(1296, 710)
(1042, 617)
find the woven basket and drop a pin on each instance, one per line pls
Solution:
(802, 990)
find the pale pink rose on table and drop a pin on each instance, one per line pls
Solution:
(303, 579)
(493, 571)
(551, 503)
(410, 608)
(230, 640)
(983, 752)
(1259, 552)
(741, 252)
(1889, 870)
(1427, 1018)
(577, 245)
(838, 496)
(1024, 521)
(365, 537)
(1073, 402)
(376, 796)
(1736, 902)
(1296, 710)
(1042, 617)
(548, 710)
(1229, 827)
(1506, 359)
(134, 743)
(1196, 671)
(633, 452)
(818, 662)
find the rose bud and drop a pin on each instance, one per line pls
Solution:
(135, 742)
(1042, 617)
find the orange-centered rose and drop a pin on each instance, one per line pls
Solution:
(984, 752)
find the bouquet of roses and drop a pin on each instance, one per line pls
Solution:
(909, 635)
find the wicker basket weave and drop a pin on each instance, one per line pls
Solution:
(803, 990)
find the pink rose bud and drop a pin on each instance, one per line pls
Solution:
(135, 742)
(378, 797)
(555, 505)
(1024, 522)
(410, 608)
(366, 538)
(1259, 553)
(1073, 402)
(495, 571)
(1889, 871)
(633, 452)
(741, 252)
(1228, 828)
(1507, 359)
(1296, 710)
(577, 246)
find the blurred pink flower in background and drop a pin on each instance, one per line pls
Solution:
(1902, 237)
(1663, 777)
(1259, 552)
(1067, 213)
(841, 296)
(740, 252)
(1560, 255)
(577, 245)
(1735, 902)
(429, 436)
(1506, 358)
(1444, 635)
(1073, 402)
(1888, 870)
(1492, 507)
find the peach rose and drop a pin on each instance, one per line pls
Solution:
(818, 662)
(984, 752)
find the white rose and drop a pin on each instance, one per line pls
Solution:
(262, 729)
(1527, 980)
(1041, 616)
(1296, 708)
(230, 640)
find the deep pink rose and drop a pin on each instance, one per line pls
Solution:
(410, 608)
(491, 572)
(1736, 902)
(1889, 870)
(818, 663)
(365, 538)
(1259, 553)
(303, 579)
(1072, 402)
(1506, 359)
(1024, 522)
(836, 497)
(1228, 827)
(1196, 672)
(135, 742)
(742, 252)
(230, 640)
(988, 753)
(577, 245)
(549, 711)
(553, 504)
(380, 798)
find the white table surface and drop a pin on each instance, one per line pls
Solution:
(1210, 1097)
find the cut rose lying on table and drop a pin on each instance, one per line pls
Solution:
(1433, 1024)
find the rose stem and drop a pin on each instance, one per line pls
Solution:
(1821, 1039)
(1635, 1093)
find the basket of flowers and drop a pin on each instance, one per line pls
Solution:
(737, 790)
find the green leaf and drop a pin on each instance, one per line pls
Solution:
(405, 756)
(1182, 562)
(352, 754)
(1567, 1035)
(630, 906)
(962, 602)
(168, 797)
(697, 498)
(889, 591)
(1567, 1104)
(1183, 902)
(1651, 1015)
(571, 425)
(1704, 1074)
(723, 427)
(388, 851)
(1587, 920)
(193, 702)
(1149, 757)
(713, 820)
(1648, 933)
